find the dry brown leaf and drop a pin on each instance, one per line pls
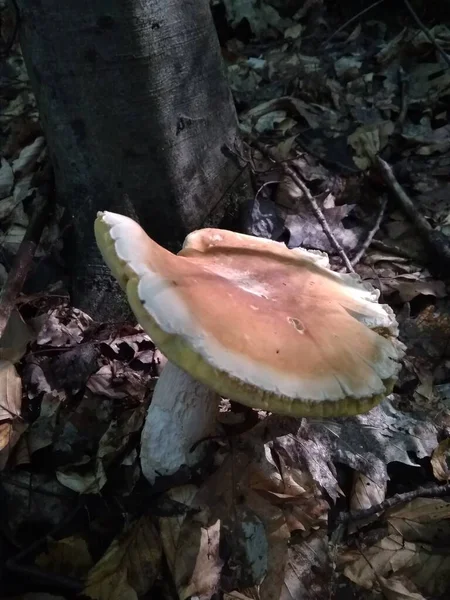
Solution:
(396, 589)
(366, 492)
(368, 141)
(69, 556)
(393, 556)
(15, 338)
(440, 461)
(421, 520)
(117, 380)
(10, 434)
(10, 391)
(63, 327)
(41, 432)
(90, 482)
(309, 569)
(129, 567)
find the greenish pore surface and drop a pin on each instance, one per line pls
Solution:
(178, 351)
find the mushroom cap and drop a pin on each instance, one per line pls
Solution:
(263, 325)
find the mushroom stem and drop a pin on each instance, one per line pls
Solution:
(182, 412)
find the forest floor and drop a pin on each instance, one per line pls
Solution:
(355, 104)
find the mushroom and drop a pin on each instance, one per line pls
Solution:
(250, 320)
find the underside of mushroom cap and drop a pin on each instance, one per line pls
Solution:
(266, 326)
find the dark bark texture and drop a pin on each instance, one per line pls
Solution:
(136, 109)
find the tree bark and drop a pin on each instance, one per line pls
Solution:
(136, 109)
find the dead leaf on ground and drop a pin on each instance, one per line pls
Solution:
(15, 339)
(10, 434)
(118, 381)
(69, 556)
(64, 326)
(42, 431)
(427, 568)
(10, 391)
(309, 569)
(129, 567)
(398, 589)
(440, 461)
(421, 520)
(366, 493)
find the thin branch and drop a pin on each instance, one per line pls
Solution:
(355, 260)
(22, 262)
(427, 32)
(350, 21)
(437, 241)
(432, 491)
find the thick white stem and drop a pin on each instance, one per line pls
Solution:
(182, 412)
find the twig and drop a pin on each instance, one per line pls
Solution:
(22, 262)
(432, 491)
(350, 21)
(393, 249)
(291, 172)
(436, 240)
(355, 260)
(427, 32)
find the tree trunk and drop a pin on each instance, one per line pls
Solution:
(136, 110)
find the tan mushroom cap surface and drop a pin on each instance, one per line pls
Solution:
(266, 326)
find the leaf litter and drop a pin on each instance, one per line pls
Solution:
(264, 522)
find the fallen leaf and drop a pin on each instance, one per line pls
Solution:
(69, 556)
(15, 339)
(368, 141)
(440, 461)
(63, 327)
(396, 589)
(366, 493)
(10, 391)
(129, 567)
(263, 220)
(309, 569)
(394, 556)
(421, 520)
(6, 179)
(42, 431)
(28, 157)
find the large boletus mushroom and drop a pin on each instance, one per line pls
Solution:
(248, 319)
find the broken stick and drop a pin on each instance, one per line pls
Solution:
(437, 241)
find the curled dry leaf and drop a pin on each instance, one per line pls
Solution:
(129, 567)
